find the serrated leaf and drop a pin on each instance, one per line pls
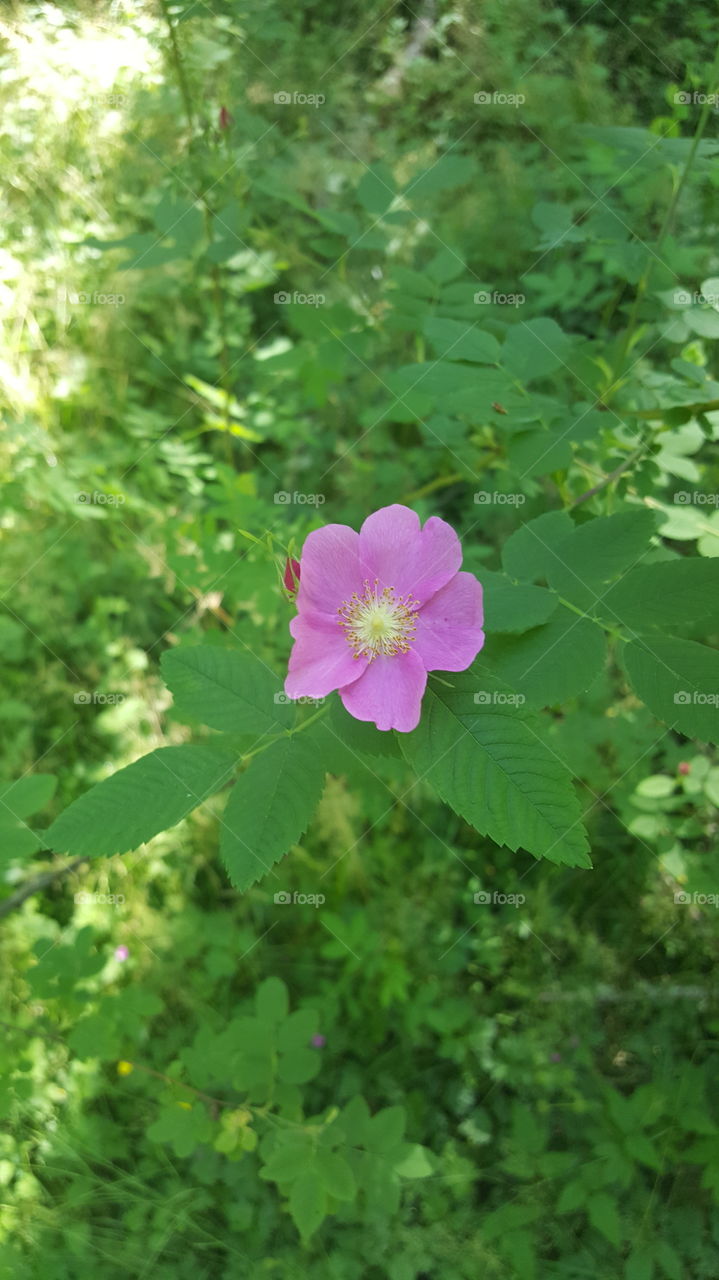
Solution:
(457, 340)
(514, 606)
(671, 594)
(597, 552)
(308, 1202)
(534, 348)
(230, 691)
(270, 808)
(489, 765)
(550, 663)
(679, 682)
(149, 796)
(530, 550)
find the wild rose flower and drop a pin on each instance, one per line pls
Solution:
(377, 610)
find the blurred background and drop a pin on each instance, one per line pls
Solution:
(227, 231)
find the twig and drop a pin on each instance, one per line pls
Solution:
(36, 885)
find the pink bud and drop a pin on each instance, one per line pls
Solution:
(122, 953)
(292, 575)
(318, 1042)
(684, 768)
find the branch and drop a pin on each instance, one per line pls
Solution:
(36, 885)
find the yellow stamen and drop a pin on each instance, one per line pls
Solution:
(378, 623)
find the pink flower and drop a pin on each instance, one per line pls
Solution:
(377, 610)
(318, 1042)
(122, 953)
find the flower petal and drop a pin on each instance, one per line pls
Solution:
(413, 561)
(448, 634)
(330, 569)
(389, 692)
(321, 659)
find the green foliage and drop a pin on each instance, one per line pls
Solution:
(370, 1012)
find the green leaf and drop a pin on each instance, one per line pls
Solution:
(151, 795)
(272, 1003)
(376, 189)
(534, 348)
(336, 1174)
(27, 795)
(679, 682)
(550, 663)
(270, 807)
(456, 340)
(308, 1201)
(230, 691)
(670, 594)
(490, 766)
(386, 1129)
(510, 606)
(598, 551)
(530, 550)
(414, 1162)
(603, 1215)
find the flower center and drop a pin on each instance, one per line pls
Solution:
(378, 622)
